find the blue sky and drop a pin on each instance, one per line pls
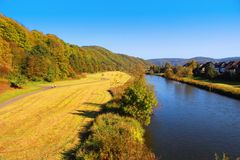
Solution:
(146, 29)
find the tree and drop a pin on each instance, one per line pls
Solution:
(50, 75)
(17, 80)
(4, 70)
(5, 58)
(31, 53)
(168, 66)
(183, 71)
(168, 73)
(210, 71)
(138, 101)
(192, 64)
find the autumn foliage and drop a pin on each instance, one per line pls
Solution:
(38, 56)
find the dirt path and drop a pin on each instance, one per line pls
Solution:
(42, 90)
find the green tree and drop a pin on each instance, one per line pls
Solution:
(192, 64)
(50, 75)
(17, 80)
(181, 71)
(138, 101)
(210, 71)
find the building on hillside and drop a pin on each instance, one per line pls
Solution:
(234, 67)
(220, 67)
(202, 67)
(229, 68)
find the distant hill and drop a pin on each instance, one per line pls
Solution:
(182, 61)
(45, 56)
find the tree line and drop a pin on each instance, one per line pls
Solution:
(194, 69)
(32, 55)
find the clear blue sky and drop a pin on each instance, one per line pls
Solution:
(143, 28)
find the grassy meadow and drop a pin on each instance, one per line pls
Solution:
(45, 124)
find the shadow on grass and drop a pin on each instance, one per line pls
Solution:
(93, 104)
(87, 114)
(84, 134)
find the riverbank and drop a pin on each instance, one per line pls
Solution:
(192, 123)
(223, 89)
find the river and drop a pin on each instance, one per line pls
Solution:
(191, 123)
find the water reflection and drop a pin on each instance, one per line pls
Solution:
(192, 124)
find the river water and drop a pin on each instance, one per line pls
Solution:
(191, 123)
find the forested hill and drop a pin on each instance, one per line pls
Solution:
(40, 56)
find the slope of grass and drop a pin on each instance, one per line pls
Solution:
(45, 124)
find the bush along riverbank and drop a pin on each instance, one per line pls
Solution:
(118, 131)
(222, 89)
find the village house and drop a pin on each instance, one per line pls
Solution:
(202, 67)
(232, 67)
(220, 67)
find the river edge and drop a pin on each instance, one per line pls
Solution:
(192, 123)
(211, 87)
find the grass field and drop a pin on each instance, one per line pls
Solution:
(45, 124)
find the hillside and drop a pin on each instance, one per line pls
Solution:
(182, 61)
(45, 56)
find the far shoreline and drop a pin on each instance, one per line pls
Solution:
(226, 90)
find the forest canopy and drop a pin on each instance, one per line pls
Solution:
(39, 56)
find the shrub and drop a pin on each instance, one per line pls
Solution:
(17, 80)
(115, 137)
(117, 92)
(169, 73)
(112, 107)
(138, 102)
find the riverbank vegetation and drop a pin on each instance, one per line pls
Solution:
(118, 132)
(186, 74)
(115, 137)
(138, 101)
